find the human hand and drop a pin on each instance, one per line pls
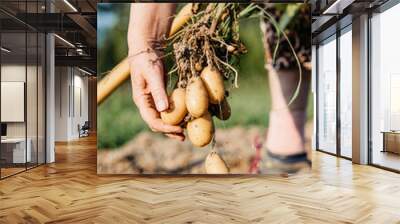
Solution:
(148, 91)
(148, 24)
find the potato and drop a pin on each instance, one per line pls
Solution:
(223, 110)
(215, 164)
(177, 108)
(214, 84)
(196, 97)
(201, 130)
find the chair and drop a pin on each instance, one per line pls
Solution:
(84, 130)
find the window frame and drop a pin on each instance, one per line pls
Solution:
(29, 29)
(339, 32)
(381, 9)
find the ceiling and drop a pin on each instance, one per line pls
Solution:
(331, 15)
(74, 22)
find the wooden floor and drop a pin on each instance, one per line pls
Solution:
(5, 172)
(69, 191)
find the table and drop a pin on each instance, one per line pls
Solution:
(16, 147)
(391, 141)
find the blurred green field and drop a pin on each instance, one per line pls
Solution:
(118, 119)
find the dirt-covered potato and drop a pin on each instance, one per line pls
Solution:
(177, 108)
(196, 97)
(201, 130)
(214, 84)
(215, 164)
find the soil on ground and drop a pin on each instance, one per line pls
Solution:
(152, 153)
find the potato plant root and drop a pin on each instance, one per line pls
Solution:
(206, 51)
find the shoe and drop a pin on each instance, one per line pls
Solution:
(277, 164)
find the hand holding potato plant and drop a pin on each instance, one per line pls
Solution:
(206, 51)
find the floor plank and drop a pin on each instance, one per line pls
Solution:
(69, 191)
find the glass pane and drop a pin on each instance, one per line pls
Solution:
(345, 94)
(13, 86)
(32, 87)
(327, 96)
(31, 97)
(385, 84)
(41, 99)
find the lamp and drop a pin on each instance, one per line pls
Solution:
(70, 5)
(5, 49)
(64, 40)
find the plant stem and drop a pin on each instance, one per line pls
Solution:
(220, 9)
(273, 21)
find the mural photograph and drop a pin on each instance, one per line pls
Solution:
(204, 88)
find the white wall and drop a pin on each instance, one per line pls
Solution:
(33, 126)
(62, 81)
(80, 96)
(71, 87)
(12, 73)
(13, 101)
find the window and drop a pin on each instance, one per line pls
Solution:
(22, 77)
(345, 43)
(385, 89)
(14, 147)
(327, 95)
